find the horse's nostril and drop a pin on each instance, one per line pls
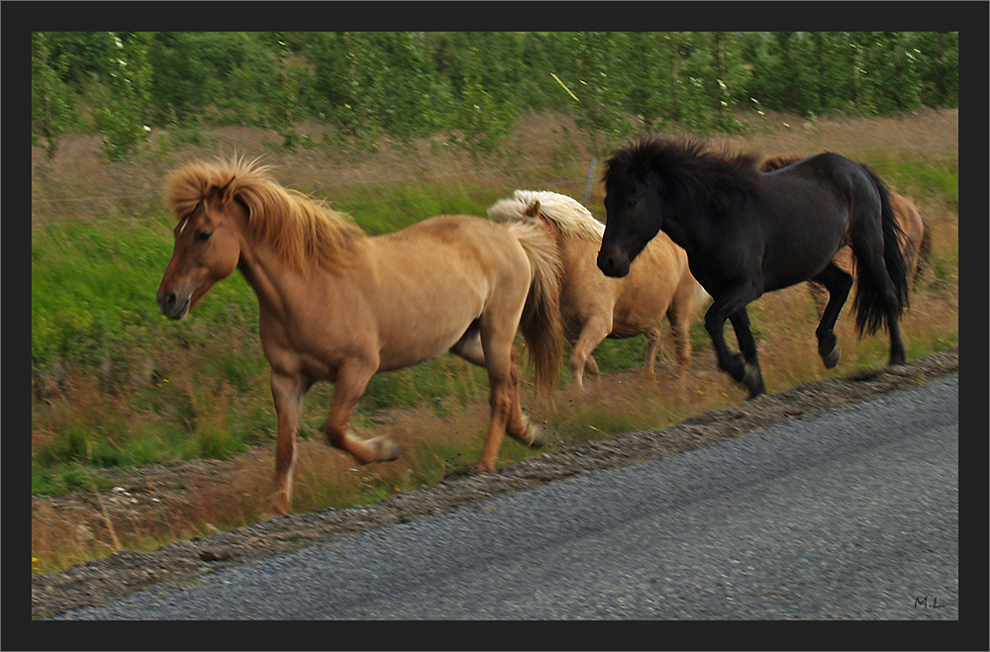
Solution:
(606, 262)
(168, 300)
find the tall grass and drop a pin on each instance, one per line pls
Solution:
(115, 384)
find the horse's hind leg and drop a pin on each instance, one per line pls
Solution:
(877, 297)
(506, 412)
(652, 351)
(838, 283)
(679, 315)
(819, 295)
(469, 346)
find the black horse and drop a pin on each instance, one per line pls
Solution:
(748, 232)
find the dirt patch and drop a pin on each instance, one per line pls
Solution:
(122, 573)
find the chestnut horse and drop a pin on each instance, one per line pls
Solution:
(594, 306)
(915, 236)
(340, 306)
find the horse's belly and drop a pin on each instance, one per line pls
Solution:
(423, 322)
(796, 260)
(415, 346)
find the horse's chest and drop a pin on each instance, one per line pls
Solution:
(306, 347)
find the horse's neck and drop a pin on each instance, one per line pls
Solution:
(281, 288)
(267, 276)
(575, 247)
(687, 238)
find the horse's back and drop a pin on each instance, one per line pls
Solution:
(833, 172)
(430, 281)
(805, 208)
(458, 246)
(443, 230)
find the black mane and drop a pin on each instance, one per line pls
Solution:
(689, 170)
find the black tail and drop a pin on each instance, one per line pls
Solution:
(871, 311)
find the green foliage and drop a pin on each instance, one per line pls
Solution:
(53, 480)
(52, 103)
(90, 289)
(922, 178)
(124, 111)
(222, 76)
(403, 85)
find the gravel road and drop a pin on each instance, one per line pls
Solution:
(811, 505)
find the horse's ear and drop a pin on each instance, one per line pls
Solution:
(533, 210)
(225, 192)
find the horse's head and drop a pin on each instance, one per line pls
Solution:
(634, 215)
(207, 249)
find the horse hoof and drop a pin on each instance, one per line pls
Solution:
(753, 381)
(280, 505)
(388, 449)
(536, 437)
(897, 369)
(832, 358)
(751, 378)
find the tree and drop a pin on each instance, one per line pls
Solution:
(50, 107)
(600, 110)
(937, 54)
(285, 85)
(125, 111)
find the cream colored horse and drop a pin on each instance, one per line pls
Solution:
(915, 236)
(594, 306)
(339, 306)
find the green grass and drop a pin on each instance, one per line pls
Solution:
(921, 179)
(159, 390)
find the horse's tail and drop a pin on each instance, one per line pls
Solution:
(871, 313)
(540, 323)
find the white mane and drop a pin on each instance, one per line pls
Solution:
(568, 214)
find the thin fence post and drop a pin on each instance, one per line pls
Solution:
(587, 183)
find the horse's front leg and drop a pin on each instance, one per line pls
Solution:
(593, 332)
(737, 366)
(352, 379)
(752, 376)
(287, 393)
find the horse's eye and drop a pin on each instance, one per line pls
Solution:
(202, 236)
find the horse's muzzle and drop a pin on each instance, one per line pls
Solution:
(612, 265)
(171, 306)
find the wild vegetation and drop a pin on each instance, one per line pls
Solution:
(470, 85)
(116, 386)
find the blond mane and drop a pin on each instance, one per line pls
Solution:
(567, 213)
(301, 230)
(778, 161)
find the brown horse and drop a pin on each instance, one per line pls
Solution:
(915, 236)
(340, 306)
(594, 306)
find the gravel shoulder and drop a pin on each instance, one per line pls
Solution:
(122, 573)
